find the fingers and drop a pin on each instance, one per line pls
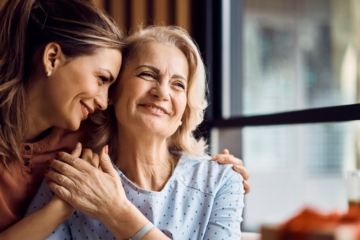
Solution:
(67, 165)
(60, 167)
(227, 159)
(75, 162)
(58, 178)
(246, 187)
(90, 157)
(225, 151)
(223, 154)
(105, 161)
(77, 150)
(58, 190)
(242, 170)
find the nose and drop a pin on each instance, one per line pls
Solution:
(101, 101)
(161, 91)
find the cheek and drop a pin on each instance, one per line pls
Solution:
(104, 91)
(93, 89)
(181, 104)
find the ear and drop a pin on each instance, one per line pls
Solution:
(53, 57)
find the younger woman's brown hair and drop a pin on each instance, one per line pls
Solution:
(27, 26)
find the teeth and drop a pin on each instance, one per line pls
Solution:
(86, 110)
(156, 109)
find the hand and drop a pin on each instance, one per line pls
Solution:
(95, 191)
(226, 158)
(62, 204)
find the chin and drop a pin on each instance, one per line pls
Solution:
(73, 126)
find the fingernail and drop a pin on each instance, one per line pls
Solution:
(78, 145)
(48, 162)
(59, 154)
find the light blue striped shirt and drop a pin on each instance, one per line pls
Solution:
(201, 200)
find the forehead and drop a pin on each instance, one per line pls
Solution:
(103, 58)
(160, 54)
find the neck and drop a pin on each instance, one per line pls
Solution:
(147, 163)
(38, 123)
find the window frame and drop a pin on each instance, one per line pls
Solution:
(207, 32)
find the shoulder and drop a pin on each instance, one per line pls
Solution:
(205, 175)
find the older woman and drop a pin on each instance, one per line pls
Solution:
(158, 102)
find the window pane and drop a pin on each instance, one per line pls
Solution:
(293, 166)
(297, 54)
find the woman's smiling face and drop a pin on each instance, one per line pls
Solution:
(151, 94)
(80, 86)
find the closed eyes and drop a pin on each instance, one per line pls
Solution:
(104, 79)
(180, 85)
(147, 75)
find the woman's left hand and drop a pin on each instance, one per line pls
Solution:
(226, 158)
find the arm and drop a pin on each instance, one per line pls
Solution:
(39, 223)
(97, 192)
(225, 218)
(226, 158)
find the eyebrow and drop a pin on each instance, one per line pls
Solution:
(158, 71)
(111, 76)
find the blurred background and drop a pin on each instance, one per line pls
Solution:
(284, 86)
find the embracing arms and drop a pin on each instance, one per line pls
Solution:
(122, 220)
(42, 222)
(98, 193)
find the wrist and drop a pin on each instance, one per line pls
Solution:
(62, 207)
(142, 232)
(125, 220)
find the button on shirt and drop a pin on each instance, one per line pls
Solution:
(20, 184)
(201, 200)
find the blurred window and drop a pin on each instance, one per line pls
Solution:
(283, 56)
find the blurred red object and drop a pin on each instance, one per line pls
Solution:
(310, 224)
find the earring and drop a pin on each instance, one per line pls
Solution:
(180, 123)
(48, 74)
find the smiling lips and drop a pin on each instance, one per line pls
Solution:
(157, 109)
(85, 110)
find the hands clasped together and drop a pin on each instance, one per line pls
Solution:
(92, 186)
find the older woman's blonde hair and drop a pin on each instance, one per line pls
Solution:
(183, 139)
